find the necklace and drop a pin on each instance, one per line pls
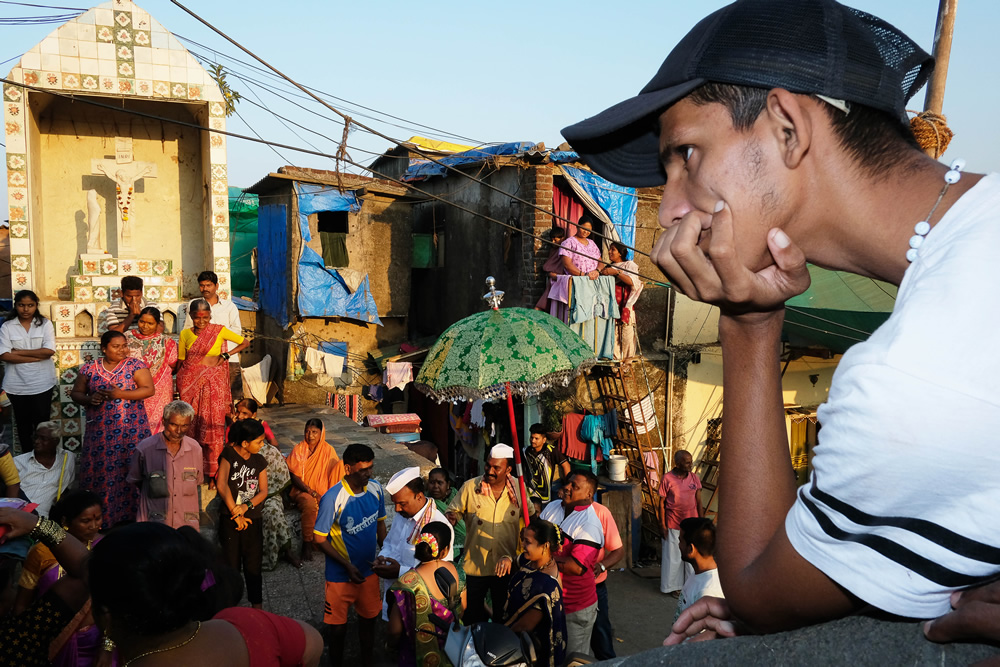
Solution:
(921, 229)
(104, 364)
(169, 648)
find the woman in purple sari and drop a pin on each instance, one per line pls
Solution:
(80, 643)
(435, 587)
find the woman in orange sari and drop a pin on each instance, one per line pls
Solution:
(203, 380)
(315, 468)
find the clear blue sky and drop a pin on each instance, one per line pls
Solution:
(495, 72)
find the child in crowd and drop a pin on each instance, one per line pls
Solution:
(277, 532)
(242, 485)
(247, 409)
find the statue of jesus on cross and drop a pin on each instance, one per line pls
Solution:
(124, 171)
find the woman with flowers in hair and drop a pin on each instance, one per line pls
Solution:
(435, 587)
(534, 597)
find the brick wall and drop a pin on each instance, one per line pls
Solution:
(537, 188)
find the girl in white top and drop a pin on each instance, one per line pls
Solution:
(27, 343)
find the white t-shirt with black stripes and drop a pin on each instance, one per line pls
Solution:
(902, 508)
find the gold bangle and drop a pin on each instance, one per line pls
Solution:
(107, 644)
(48, 532)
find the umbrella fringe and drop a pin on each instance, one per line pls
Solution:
(497, 392)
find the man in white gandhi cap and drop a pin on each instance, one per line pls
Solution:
(414, 510)
(492, 511)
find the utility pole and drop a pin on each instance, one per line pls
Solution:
(942, 53)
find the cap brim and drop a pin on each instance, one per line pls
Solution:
(621, 143)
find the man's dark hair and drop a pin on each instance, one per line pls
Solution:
(209, 276)
(699, 532)
(537, 429)
(590, 477)
(557, 232)
(130, 283)
(416, 485)
(358, 453)
(874, 139)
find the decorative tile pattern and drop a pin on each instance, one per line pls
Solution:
(113, 49)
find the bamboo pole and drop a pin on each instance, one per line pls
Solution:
(943, 32)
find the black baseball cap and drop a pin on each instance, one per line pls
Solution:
(813, 47)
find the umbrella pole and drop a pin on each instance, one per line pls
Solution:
(517, 456)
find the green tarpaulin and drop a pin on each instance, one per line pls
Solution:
(242, 239)
(838, 310)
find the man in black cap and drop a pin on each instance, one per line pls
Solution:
(777, 128)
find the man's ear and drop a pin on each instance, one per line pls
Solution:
(790, 120)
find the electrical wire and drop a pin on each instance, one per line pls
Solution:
(411, 125)
(28, 4)
(93, 102)
(347, 119)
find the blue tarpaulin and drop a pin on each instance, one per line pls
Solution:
(272, 261)
(426, 169)
(322, 291)
(620, 203)
(564, 156)
(316, 198)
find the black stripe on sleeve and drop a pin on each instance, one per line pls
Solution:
(925, 567)
(950, 540)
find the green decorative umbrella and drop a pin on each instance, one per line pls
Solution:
(502, 352)
(477, 357)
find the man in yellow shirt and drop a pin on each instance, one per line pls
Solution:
(491, 508)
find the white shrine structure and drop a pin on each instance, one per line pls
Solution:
(133, 185)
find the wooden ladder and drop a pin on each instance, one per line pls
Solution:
(620, 390)
(708, 467)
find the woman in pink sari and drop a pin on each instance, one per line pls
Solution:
(203, 380)
(159, 352)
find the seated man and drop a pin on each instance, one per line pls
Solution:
(767, 166)
(46, 471)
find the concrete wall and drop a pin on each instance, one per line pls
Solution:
(474, 248)
(379, 243)
(165, 209)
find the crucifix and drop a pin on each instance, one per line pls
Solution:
(124, 171)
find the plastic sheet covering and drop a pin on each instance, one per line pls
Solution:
(314, 198)
(620, 203)
(323, 293)
(243, 239)
(564, 156)
(272, 262)
(426, 169)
